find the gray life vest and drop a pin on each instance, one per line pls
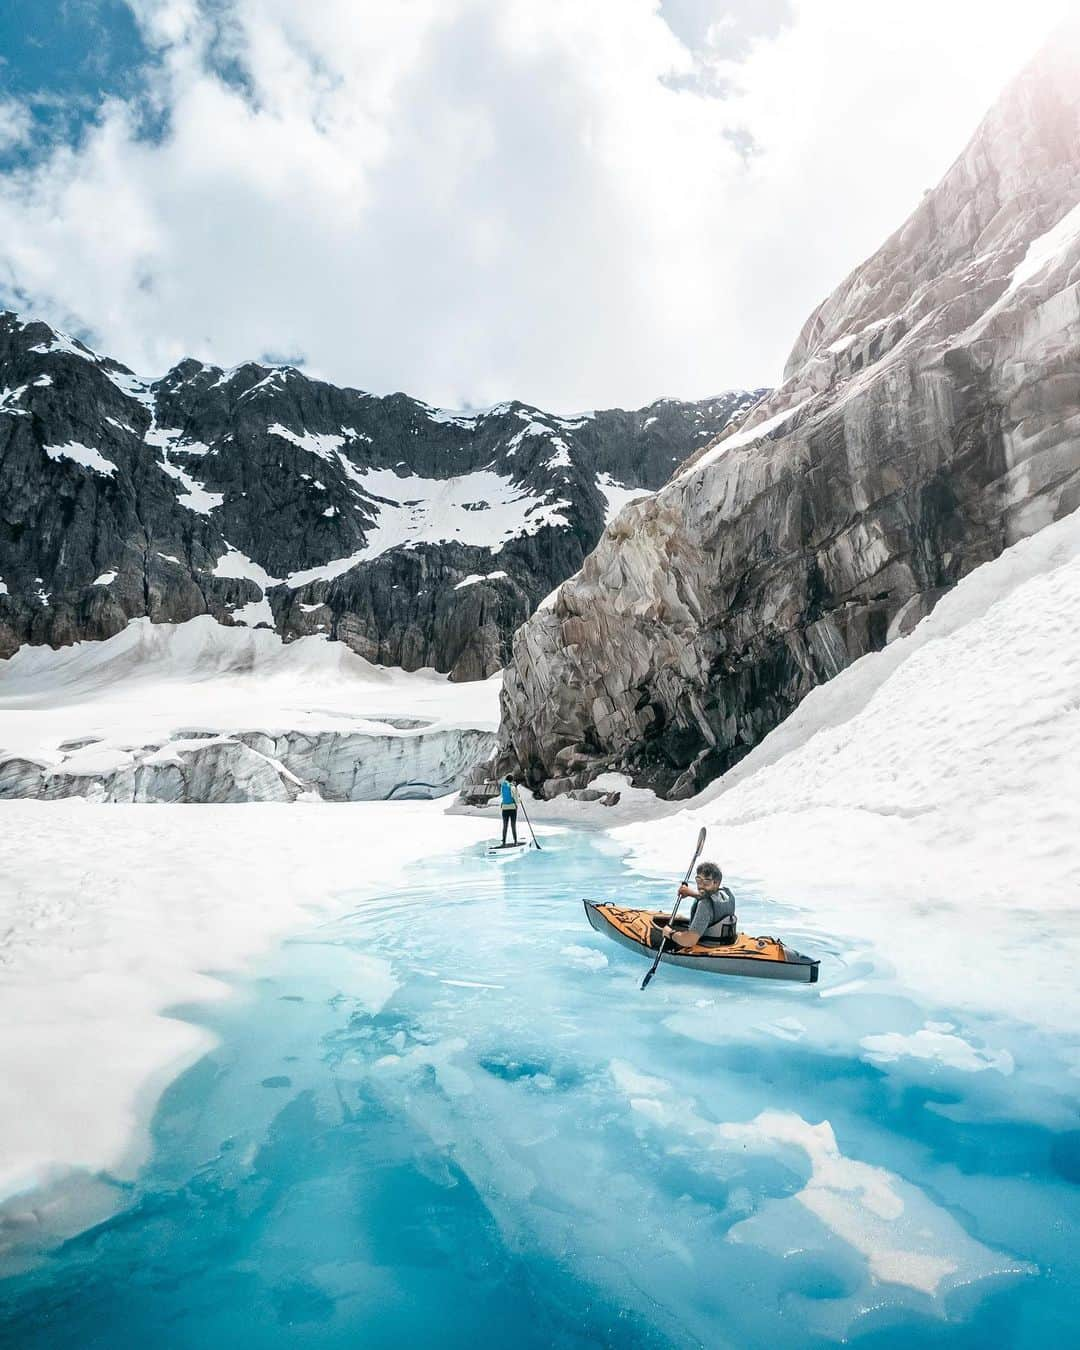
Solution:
(722, 923)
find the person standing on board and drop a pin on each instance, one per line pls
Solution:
(509, 808)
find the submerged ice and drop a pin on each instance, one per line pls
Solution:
(453, 1114)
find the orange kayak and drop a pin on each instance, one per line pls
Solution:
(764, 957)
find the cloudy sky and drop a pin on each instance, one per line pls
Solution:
(579, 203)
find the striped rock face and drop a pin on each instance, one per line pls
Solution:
(929, 418)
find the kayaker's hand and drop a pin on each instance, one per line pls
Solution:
(685, 890)
(667, 930)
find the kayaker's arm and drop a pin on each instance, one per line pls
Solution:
(680, 937)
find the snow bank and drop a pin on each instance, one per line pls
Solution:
(151, 679)
(926, 802)
(200, 712)
(110, 918)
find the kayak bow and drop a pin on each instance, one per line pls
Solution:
(763, 957)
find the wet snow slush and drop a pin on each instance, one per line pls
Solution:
(451, 1119)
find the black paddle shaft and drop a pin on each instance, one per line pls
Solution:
(678, 902)
(521, 803)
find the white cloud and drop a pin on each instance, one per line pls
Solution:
(14, 124)
(479, 199)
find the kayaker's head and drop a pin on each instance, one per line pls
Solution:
(709, 876)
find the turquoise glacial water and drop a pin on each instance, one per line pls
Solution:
(451, 1119)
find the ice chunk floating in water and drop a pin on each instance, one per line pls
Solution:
(451, 1118)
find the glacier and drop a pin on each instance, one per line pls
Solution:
(199, 712)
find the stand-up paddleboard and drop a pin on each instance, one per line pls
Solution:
(507, 848)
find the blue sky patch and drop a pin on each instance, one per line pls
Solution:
(60, 59)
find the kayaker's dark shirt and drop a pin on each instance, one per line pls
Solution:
(709, 910)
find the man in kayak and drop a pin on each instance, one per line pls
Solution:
(509, 807)
(713, 914)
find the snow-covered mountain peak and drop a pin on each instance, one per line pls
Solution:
(263, 496)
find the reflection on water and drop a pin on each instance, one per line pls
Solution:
(451, 1118)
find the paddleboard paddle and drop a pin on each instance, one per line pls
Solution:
(528, 822)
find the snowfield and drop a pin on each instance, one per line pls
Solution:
(154, 684)
(111, 916)
(920, 813)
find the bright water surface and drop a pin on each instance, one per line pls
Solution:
(515, 1147)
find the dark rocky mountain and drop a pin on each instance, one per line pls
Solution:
(929, 418)
(259, 495)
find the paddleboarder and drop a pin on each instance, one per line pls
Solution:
(509, 808)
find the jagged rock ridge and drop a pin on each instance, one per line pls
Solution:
(261, 496)
(930, 416)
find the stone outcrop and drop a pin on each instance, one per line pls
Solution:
(929, 417)
(260, 496)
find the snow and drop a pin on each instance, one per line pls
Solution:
(322, 445)
(747, 436)
(61, 342)
(924, 805)
(472, 579)
(152, 681)
(83, 455)
(106, 579)
(330, 512)
(1047, 249)
(9, 398)
(531, 429)
(110, 915)
(237, 564)
(169, 557)
(939, 1042)
(254, 613)
(548, 601)
(3, 587)
(843, 343)
(195, 497)
(43, 382)
(266, 380)
(131, 385)
(448, 417)
(617, 495)
(905, 1237)
(105, 933)
(483, 509)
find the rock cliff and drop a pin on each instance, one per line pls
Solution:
(929, 417)
(261, 496)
